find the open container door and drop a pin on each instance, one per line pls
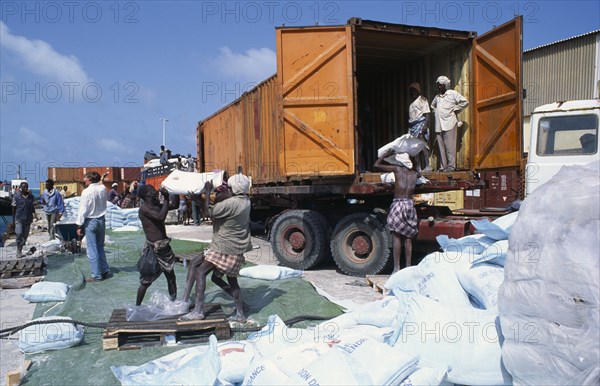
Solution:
(314, 68)
(497, 95)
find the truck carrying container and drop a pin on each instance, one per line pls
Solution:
(308, 136)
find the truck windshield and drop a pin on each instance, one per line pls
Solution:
(568, 135)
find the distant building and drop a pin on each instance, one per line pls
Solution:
(563, 70)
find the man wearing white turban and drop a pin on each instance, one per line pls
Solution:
(230, 214)
(446, 105)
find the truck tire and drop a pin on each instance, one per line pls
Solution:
(360, 245)
(299, 238)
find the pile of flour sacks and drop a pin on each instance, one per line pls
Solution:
(115, 216)
(436, 325)
(516, 303)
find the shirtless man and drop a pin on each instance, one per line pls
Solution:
(152, 215)
(402, 219)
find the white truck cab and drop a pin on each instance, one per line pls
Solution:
(562, 133)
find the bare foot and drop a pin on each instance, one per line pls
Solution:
(193, 316)
(237, 317)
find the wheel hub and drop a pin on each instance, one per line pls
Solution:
(297, 240)
(361, 245)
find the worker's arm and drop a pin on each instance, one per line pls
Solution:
(33, 212)
(461, 103)
(61, 205)
(426, 125)
(14, 212)
(158, 214)
(385, 167)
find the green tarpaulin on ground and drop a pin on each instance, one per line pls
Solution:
(89, 363)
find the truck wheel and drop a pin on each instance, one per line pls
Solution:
(299, 238)
(360, 245)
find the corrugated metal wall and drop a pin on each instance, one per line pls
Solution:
(561, 71)
(245, 133)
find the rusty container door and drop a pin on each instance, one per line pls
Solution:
(497, 95)
(315, 73)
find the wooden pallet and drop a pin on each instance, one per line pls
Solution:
(123, 335)
(22, 268)
(19, 282)
(377, 282)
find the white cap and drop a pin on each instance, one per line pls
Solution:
(115, 185)
(443, 80)
(239, 183)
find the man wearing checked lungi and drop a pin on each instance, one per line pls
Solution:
(230, 215)
(402, 218)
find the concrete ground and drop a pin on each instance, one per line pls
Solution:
(14, 310)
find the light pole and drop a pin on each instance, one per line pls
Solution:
(163, 128)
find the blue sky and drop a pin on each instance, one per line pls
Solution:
(86, 83)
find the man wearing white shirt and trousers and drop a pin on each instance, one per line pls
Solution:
(90, 219)
(446, 105)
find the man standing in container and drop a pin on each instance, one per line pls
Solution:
(447, 104)
(91, 221)
(23, 213)
(53, 206)
(402, 218)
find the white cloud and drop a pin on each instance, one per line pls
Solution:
(110, 145)
(255, 65)
(145, 95)
(41, 58)
(31, 145)
(29, 137)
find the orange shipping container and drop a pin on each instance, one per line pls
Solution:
(309, 135)
(246, 133)
(341, 92)
(114, 173)
(64, 174)
(130, 173)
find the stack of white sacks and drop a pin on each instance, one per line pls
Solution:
(440, 323)
(437, 325)
(115, 216)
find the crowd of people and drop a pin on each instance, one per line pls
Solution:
(126, 200)
(187, 164)
(230, 210)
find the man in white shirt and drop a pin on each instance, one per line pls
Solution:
(90, 219)
(447, 104)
